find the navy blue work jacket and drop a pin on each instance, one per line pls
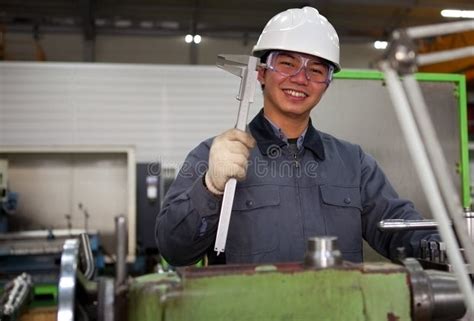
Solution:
(327, 187)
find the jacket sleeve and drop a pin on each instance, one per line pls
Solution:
(380, 202)
(187, 224)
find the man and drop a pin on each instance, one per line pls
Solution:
(295, 182)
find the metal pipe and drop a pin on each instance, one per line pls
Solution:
(67, 280)
(429, 184)
(441, 56)
(121, 251)
(440, 165)
(439, 29)
(470, 223)
(396, 225)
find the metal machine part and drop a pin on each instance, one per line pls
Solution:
(433, 251)
(121, 233)
(67, 280)
(322, 252)
(469, 215)
(431, 186)
(3, 179)
(106, 300)
(244, 67)
(38, 253)
(396, 225)
(121, 278)
(293, 292)
(425, 147)
(401, 53)
(86, 261)
(106, 296)
(16, 295)
(435, 294)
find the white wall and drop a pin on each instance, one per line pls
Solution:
(156, 50)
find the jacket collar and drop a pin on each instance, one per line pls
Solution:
(266, 140)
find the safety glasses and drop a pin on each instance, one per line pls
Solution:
(290, 64)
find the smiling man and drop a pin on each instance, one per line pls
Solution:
(295, 182)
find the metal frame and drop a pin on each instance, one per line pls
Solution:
(460, 82)
(398, 66)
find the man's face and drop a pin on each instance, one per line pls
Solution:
(291, 96)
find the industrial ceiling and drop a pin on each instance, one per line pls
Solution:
(354, 20)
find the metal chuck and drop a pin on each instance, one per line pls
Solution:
(322, 252)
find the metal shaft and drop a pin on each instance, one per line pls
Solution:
(439, 29)
(396, 225)
(121, 242)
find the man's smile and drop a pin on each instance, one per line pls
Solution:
(295, 93)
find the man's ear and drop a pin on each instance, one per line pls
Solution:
(327, 86)
(261, 75)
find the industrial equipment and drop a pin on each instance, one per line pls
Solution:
(3, 179)
(8, 199)
(81, 292)
(322, 288)
(38, 253)
(294, 292)
(15, 297)
(398, 65)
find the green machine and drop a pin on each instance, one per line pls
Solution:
(377, 291)
(323, 287)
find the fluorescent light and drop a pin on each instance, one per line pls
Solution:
(123, 23)
(197, 39)
(380, 45)
(146, 24)
(453, 13)
(188, 38)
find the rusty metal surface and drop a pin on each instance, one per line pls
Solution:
(249, 269)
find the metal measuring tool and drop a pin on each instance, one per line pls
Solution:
(244, 67)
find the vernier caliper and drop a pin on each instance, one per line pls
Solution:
(244, 67)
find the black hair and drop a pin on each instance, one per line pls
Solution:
(263, 59)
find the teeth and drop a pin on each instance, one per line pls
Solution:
(295, 93)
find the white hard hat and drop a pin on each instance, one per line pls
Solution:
(300, 30)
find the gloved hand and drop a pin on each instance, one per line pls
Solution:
(228, 158)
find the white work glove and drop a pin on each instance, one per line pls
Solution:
(228, 158)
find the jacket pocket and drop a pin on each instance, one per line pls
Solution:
(341, 207)
(343, 196)
(253, 226)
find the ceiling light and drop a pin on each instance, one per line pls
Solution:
(188, 38)
(123, 23)
(197, 39)
(100, 22)
(380, 45)
(146, 24)
(453, 13)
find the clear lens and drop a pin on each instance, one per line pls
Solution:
(290, 64)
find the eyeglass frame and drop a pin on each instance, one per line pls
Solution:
(267, 65)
